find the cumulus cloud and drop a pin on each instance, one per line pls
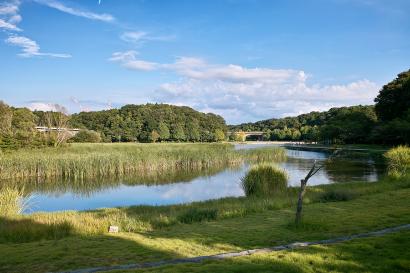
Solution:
(241, 94)
(45, 106)
(76, 12)
(31, 48)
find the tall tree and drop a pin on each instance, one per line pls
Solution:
(393, 100)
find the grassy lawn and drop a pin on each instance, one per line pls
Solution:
(81, 239)
(390, 253)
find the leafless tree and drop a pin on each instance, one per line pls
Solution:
(303, 183)
(59, 120)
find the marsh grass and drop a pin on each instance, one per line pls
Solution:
(12, 201)
(398, 161)
(80, 161)
(264, 179)
(265, 154)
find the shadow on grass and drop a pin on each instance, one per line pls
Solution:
(29, 246)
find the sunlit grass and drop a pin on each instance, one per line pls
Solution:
(79, 161)
(83, 240)
(398, 160)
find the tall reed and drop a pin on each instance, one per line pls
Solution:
(79, 161)
(12, 201)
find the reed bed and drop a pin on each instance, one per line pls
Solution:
(79, 161)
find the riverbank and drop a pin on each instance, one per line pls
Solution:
(71, 240)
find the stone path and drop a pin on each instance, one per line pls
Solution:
(243, 253)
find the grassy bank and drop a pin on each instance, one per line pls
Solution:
(390, 253)
(56, 241)
(79, 161)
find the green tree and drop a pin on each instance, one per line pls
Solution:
(393, 100)
(87, 136)
(178, 133)
(193, 131)
(6, 117)
(219, 135)
(163, 131)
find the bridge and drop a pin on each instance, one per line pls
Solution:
(258, 134)
(44, 129)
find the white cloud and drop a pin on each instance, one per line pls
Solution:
(76, 12)
(133, 36)
(30, 48)
(128, 60)
(9, 16)
(242, 94)
(139, 37)
(10, 7)
(8, 26)
(45, 106)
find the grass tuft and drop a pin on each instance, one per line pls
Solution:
(264, 180)
(197, 215)
(398, 161)
(11, 201)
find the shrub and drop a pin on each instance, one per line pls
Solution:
(335, 196)
(398, 161)
(264, 180)
(197, 215)
(87, 136)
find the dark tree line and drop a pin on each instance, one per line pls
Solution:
(387, 122)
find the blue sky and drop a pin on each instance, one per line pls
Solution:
(246, 60)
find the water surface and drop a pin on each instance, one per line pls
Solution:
(189, 187)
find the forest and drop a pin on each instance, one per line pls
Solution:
(131, 123)
(386, 122)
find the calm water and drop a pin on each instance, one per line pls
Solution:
(190, 187)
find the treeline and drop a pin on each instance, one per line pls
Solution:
(131, 123)
(151, 123)
(17, 129)
(387, 122)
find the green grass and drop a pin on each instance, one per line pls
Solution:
(390, 253)
(79, 161)
(398, 160)
(239, 223)
(265, 179)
